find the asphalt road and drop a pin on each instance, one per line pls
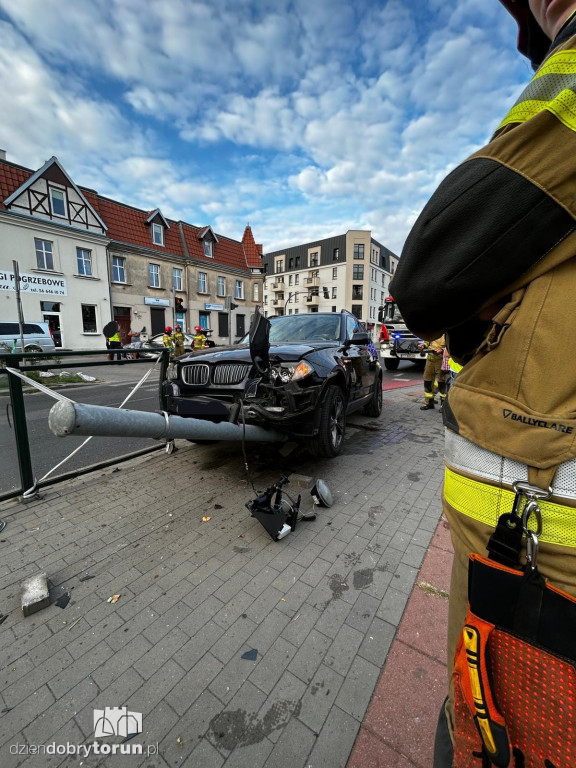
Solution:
(47, 450)
(117, 381)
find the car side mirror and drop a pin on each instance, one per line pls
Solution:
(360, 338)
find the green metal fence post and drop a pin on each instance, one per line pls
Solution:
(164, 363)
(21, 431)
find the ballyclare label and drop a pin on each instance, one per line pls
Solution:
(531, 422)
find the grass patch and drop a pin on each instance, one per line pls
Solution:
(50, 381)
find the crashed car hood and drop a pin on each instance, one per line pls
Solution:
(284, 352)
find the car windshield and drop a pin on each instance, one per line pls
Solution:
(309, 327)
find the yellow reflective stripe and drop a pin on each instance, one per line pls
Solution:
(561, 63)
(563, 107)
(485, 503)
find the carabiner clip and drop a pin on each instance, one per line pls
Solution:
(530, 509)
(532, 548)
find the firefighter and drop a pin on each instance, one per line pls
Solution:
(433, 372)
(178, 338)
(168, 340)
(199, 339)
(490, 263)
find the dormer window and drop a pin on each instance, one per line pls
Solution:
(58, 202)
(157, 234)
(208, 248)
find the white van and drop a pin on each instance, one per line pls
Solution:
(37, 337)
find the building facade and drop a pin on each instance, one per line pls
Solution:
(350, 271)
(85, 259)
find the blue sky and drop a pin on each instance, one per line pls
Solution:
(304, 118)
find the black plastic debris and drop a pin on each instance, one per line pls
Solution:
(86, 578)
(6, 709)
(3, 619)
(63, 600)
(251, 655)
(218, 506)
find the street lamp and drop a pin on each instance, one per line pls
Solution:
(290, 295)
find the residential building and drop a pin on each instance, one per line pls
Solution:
(85, 259)
(52, 228)
(350, 271)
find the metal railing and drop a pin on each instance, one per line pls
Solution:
(14, 361)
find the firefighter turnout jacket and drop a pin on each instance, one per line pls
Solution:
(490, 263)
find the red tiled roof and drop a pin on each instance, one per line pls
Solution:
(251, 250)
(128, 225)
(11, 177)
(229, 253)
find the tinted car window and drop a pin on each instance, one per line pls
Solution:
(9, 328)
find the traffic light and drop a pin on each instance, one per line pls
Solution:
(179, 306)
(326, 293)
(233, 306)
(380, 314)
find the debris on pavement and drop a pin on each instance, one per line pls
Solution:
(3, 618)
(86, 578)
(251, 655)
(113, 599)
(35, 594)
(218, 506)
(206, 518)
(63, 600)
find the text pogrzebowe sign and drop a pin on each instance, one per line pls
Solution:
(52, 285)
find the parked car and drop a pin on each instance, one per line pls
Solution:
(37, 337)
(318, 368)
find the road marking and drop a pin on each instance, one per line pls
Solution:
(397, 378)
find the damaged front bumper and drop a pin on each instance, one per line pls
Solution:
(290, 407)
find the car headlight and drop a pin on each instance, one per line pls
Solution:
(287, 373)
(172, 372)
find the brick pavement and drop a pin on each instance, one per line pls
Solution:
(321, 607)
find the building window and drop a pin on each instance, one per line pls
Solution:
(240, 325)
(296, 311)
(58, 202)
(157, 234)
(357, 293)
(221, 285)
(202, 282)
(255, 292)
(314, 259)
(118, 269)
(296, 279)
(204, 318)
(154, 271)
(357, 311)
(176, 278)
(44, 255)
(335, 254)
(335, 273)
(358, 272)
(89, 318)
(334, 309)
(279, 266)
(239, 289)
(291, 263)
(359, 250)
(208, 251)
(84, 259)
(297, 261)
(334, 291)
(289, 279)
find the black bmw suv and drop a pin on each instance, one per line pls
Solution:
(300, 374)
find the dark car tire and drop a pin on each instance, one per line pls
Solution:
(374, 407)
(391, 363)
(330, 438)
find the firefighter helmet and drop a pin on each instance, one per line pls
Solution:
(198, 329)
(168, 329)
(532, 41)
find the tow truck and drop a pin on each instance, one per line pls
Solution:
(396, 341)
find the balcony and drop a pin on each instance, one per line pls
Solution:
(278, 284)
(275, 302)
(313, 299)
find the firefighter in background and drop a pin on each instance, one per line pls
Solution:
(167, 339)
(178, 338)
(491, 263)
(433, 372)
(199, 339)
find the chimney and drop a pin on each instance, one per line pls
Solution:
(2, 154)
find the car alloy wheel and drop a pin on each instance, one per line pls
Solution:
(332, 424)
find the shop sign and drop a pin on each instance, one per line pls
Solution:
(153, 301)
(46, 284)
